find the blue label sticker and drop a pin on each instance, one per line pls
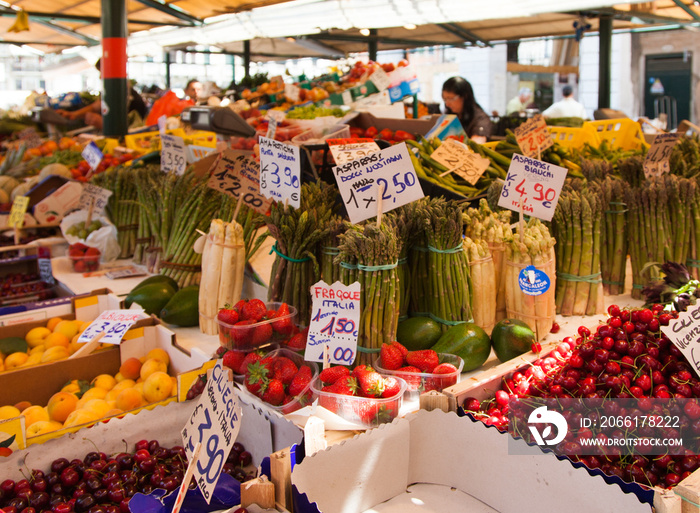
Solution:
(92, 154)
(533, 281)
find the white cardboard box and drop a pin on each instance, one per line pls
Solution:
(433, 461)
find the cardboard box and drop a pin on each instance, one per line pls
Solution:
(58, 203)
(365, 120)
(436, 461)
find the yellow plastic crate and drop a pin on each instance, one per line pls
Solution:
(200, 138)
(149, 141)
(620, 133)
(574, 137)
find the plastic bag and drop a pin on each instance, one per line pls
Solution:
(104, 239)
(168, 105)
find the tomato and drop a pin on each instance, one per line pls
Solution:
(356, 131)
(386, 134)
(371, 132)
(402, 135)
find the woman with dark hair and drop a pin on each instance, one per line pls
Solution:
(458, 95)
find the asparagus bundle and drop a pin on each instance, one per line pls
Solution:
(534, 246)
(613, 244)
(330, 270)
(483, 290)
(577, 226)
(681, 193)
(223, 266)
(407, 221)
(494, 228)
(693, 261)
(376, 250)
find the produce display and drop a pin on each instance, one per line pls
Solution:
(18, 288)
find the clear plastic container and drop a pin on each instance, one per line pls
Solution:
(306, 396)
(419, 382)
(85, 263)
(251, 336)
(366, 411)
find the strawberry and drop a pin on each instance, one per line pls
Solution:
(444, 368)
(425, 359)
(361, 369)
(390, 357)
(400, 347)
(284, 326)
(254, 309)
(373, 414)
(290, 404)
(227, 316)
(298, 341)
(237, 307)
(332, 374)
(233, 360)
(261, 334)
(345, 385)
(440, 383)
(242, 334)
(220, 351)
(300, 380)
(392, 387)
(284, 369)
(274, 392)
(410, 375)
(371, 384)
(256, 379)
(92, 252)
(250, 358)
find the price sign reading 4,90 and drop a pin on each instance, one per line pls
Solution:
(533, 136)
(172, 154)
(532, 185)
(656, 161)
(280, 171)
(335, 320)
(215, 423)
(237, 175)
(114, 324)
(390, 170)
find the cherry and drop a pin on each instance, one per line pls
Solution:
(614, 311)
(141, 455)
(555, 328)
(19, 503)
(470, 404)
(141, 445)
(59, 464)
(124, 460)
(62, 507)
(153, 445)
(69, 477)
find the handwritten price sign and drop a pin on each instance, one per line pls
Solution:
(92, 155)
(532, 185)
(380, 79)
(172, 154)
(656, 161)
(96, 194)
(215, 424)
(238, 175)
(19, 208)
(391, 170)
(280, 173)
(335, 319)
(461, 160)
(114, 323)
(533, 136)
(345, 152)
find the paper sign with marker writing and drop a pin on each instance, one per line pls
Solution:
(237, 175)
(172, 154)
(533, 136)
(344, 152)
(92, 155)
(459, 159)
(684, 332)
(19, 208)
(280, 171)
(95, 194)
(656, 162)
(535, 185)
(291, 91)
(195, 153)
(388, 172)
(335, 321)
(215, 423)
(114, 324)
(380, 79)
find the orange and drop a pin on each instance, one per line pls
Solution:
(51, 323)
(48, 147)
(61, 405)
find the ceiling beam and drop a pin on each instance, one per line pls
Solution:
(173, 11)
(90, 41)
(687, 9)
(34, 43)
(645, 16)
(380, 39)
(463, 33)
(94, 20)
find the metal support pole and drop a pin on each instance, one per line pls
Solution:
(246, 57)
(604, 56)
(372, 45)
(116, 89)
(167, 69)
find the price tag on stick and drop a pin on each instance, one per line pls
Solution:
(215, 423)
(684, 333)
(19, 208)
(335, 320)
(238, 175)
(390, 169)
(172, 154)
(533, 186)
(113, 324)
(533, 136)
(280, 171)
(95, 195)
(380, 79)
(656, 161)
(459, 159)
(92, 155)
(343, 152)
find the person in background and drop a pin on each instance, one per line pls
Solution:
(520, 102)
(458, 95)
(567, 107)
(92, 114)
(193, 91)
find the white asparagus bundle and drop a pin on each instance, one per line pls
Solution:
(483, 290)
(232, 266)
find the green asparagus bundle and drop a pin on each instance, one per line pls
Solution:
(407, 222)
(330, 270)
(613, 244)
(631, 170)
(577, 226)
(685, 157)
(376, 250)
(596, 170)
(693, 261)
(534, 246)
(483, 276)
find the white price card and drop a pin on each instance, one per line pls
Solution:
(459, 159)
(684, 333)
(95, 194)
(533, 186)
(238, 175)
(344, 151)
(280, 171)
(195, 153)
(335, 321)
(19, 208)
(44, 262)
(215, 423)
(291, 91)
(92, 155)
(380, 79)
(347, 97)
(172, 154)
(656, 161)
(113, 323)
(390, 170)
(533, 136)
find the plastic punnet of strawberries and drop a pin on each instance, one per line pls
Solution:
(626, 357)
(251, 323)
(84, 258)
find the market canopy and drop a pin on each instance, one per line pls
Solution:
(333, 25)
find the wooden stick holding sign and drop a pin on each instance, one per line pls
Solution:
(187, 478)
(239, 203)
(380, 193)
(88, 347)
(91, 209)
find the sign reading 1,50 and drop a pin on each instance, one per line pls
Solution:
(339, 326)
(545, 196)
(290, 181)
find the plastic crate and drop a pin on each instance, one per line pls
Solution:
(574, 137)
(621, 133)
(201, 138)
(149, 141)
